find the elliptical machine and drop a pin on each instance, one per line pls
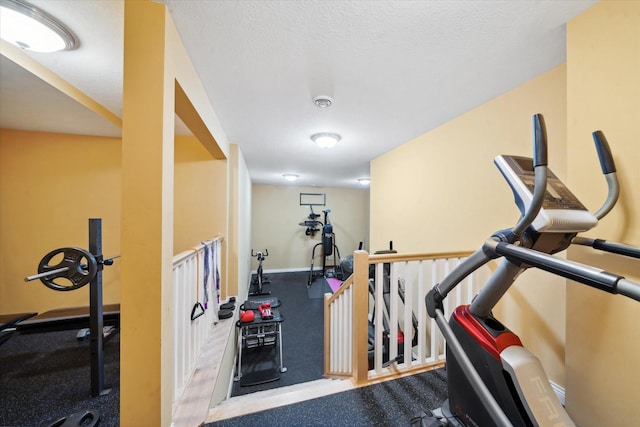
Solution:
(492, 378)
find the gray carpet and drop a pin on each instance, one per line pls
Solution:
(318, 288)
(302, 335)
(391, 403)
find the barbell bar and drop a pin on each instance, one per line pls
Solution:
(45, 274)
(70, 268)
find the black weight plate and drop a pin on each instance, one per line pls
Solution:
(225, 314)
(81, 268)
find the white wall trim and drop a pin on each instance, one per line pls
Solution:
(286, 270)
(559, 391)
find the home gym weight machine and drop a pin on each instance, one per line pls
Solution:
(78, 267)
(328, 248)
(492, 378)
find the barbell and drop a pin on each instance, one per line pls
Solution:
(78, 266)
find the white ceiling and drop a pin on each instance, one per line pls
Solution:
(395, 69)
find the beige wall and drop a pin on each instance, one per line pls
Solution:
(239, 241)
(239, 224)
(603, 333)
(276, 213)
(441, 192)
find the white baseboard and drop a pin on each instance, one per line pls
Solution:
(286, 270)
(559, 391)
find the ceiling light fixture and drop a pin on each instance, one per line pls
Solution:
(32, 29)
(364, 181)
(325, 139)
(290, 176)
(322, 101)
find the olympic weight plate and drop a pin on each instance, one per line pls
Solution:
(77, 268)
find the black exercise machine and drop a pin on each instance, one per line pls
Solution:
(311, 223)
(492, 378)
(260, 279)
(386, 296)
(328, 248)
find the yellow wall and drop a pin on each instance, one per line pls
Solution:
(149, 208)
(50, 185)
(441, 192)
(276, 212)
(200, 183)
(603, 333)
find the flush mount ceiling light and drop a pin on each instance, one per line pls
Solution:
(32, 29)
(322, 101)
(326, 140)
(290, 176)
(364, 181)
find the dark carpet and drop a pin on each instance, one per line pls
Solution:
(391, 403)
(47, 376)
(318, 288)
(302, 335)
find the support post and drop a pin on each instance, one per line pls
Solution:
(96, 320)
(360, 312)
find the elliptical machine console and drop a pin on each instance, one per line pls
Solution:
(561, 210)
(492, 378)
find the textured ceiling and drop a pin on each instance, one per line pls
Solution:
(395, 69)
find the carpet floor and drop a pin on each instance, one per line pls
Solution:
(391, 403)
(302, 333)
(47, 376)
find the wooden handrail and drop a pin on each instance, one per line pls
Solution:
(417, 257)
(178, 258)
(348, 282)
(358, 285)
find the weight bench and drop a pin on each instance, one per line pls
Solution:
(64, 319)
(8, 323)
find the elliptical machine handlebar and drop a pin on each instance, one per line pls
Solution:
(582, 273)
(481, 256)
(540, 170)
(609, 170)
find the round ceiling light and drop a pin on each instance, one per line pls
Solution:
(325, 139)
(32, 29)
(290, 176)
(322, 101)
(364, 181)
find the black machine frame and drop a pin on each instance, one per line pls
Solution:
(329, 248)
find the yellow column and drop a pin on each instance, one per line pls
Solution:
(147, 218)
